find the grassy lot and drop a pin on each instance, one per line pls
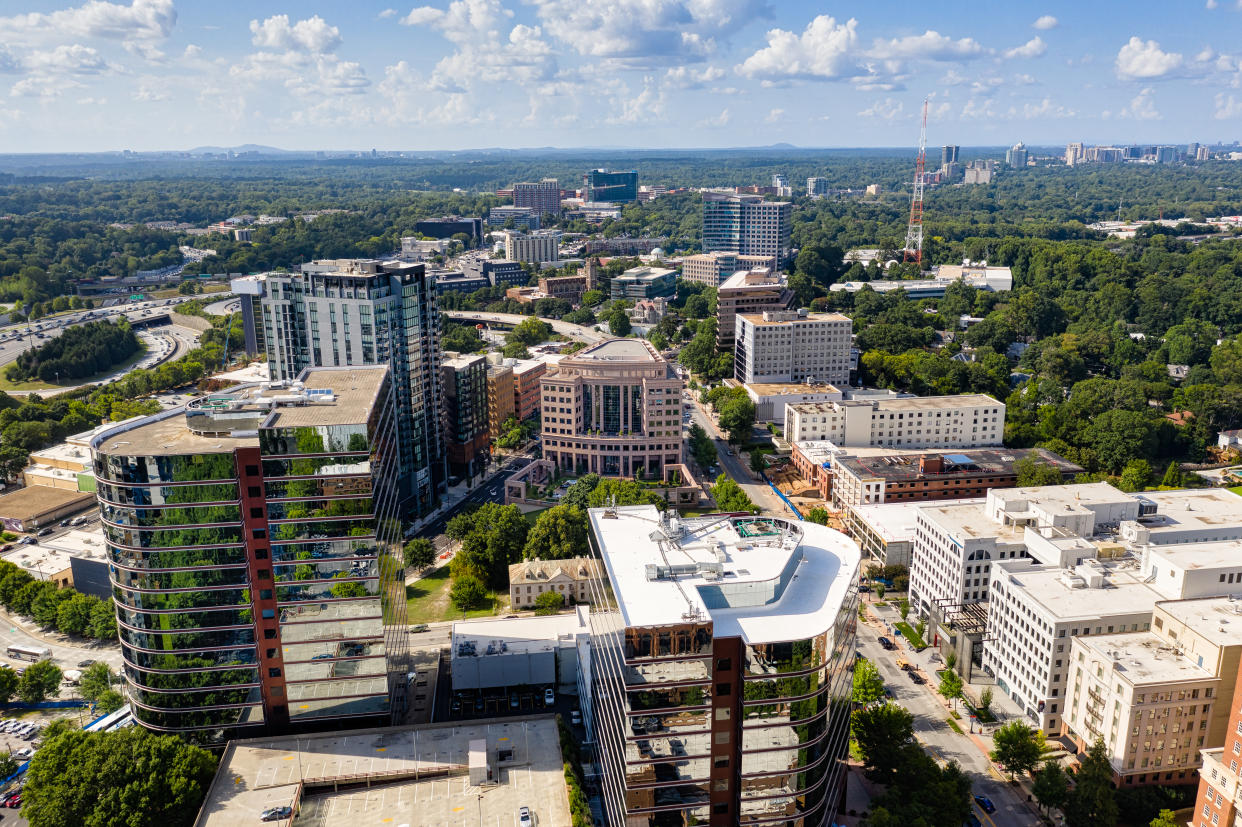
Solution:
(38, 385)
(910, 634)
(427, 600)
(1237, 489)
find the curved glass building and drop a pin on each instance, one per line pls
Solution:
(721, 668)
(254, 553)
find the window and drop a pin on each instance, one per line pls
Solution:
(270, 614)
(254, 491)
(274, 672)
(260, 554)
(265, 574)
(252, 470)
(720, 809)
(269, 634)
(265, 594)
(724, 664)
(256, 513)
(724, 690)
(723, 714)
(721, 738)
(259, 533)
(278, 692)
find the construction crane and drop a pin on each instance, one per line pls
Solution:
(914, 233)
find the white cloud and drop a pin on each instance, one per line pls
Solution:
(885, 110)
(422, 16)
(1032, 48)
(192, 51)
(685, 77)
(1142, 107)
(147, 94)
(1145, 59)
(648, 105)
(1045, 110)
(387, 13)
(9, 64)
(312, 35)
(717, 121)
(1211, 4)
(1226, 107)
(825, 50)
(775, 115)
(1024, 79)
(143, 19)
(930, 45)
(1045, 23)
(66, 60)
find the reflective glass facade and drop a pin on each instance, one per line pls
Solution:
(260, 586)
(698, 729)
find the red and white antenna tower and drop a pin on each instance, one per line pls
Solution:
(914, 233)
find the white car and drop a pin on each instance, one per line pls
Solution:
(525, 818)
(549, 697)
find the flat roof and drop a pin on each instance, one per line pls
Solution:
(750, 553)
(1123, 592)
(761, 389)
(753, 279)
(1141, 657)
(969, 522)
(87, 544)
(1072, 498)
(622, 350)
(757, 318)
(355, 390)
(972, 462)
(35, 500)
(68, 452)
(393, 776)
(1219, 554)
(896, 522)
(1216, 619)
(520, 634)
(1192, 509)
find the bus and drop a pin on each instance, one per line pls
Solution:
(27, 652)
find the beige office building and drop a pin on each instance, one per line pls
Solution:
(713, 269)
(612, 409)
(752, 291)
(792, 346)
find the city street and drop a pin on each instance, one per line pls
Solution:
(932, 730)
(735, 466)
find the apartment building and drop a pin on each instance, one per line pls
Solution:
(501, 399)
(1157, 698)
(536, 247)
(540, 197)
(527, 378)
(885, 532)
(466, 435)
(575, 579)
(350, 312)
(747, 225)
(873, 478)
(720, 667)
(772, 398)
(748, 292)
(613, 408)
(792, 346)
(569, 288)
(971, 420)
(713, 269)
(1217, 802)
(264, 520)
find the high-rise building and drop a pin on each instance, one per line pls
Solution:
(948, 154)
(1220, 782)
(466, 435)
(713, 269)
(792, 346)
(969, 420)
(542, 197)
(817, 186)
(612, 409)
(450, 226)
(751, 291)
(608, 186)
(1016, 156)
(501, 399)
(747, 225)
(522, 218)
(336, 313)
(720, 667)
(255, 556)
(536, 247)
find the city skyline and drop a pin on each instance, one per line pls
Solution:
(167, 75)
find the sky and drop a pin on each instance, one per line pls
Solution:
(94, 75)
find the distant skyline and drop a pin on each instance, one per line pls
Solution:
(172, 75)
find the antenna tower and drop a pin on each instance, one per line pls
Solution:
(914, 234)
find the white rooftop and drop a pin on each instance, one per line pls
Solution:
(1217, 619)
(969, 521)
(895, 522)
(67, 452)
(725, 576)
(1192, 509)
(1143, 658)
(1122, 591)
(521, 634)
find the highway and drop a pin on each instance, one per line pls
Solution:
(574, 331)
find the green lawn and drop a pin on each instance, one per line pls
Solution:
(908, 631)
(427, 600)
(1237, 489)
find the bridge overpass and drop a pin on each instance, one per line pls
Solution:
(574, 331)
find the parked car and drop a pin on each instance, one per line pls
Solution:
(419, 627)
(525, 819)
(276, 814)
(15, 801)
(24, 753)
(46, 531)
(549, 697)
(985, 804)
(916, 678)
(886, 643)
(82, 664)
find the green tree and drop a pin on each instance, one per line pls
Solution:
(8, 684)
(1093, 801)
(817, 515)
(549, 603)
(558, 533)
(619, 321)
(950, 686)
(1136, 475)
(1031, 471)
(578, 495)
(467, 592)
(881, 732)
(493, 542)
(985, 699)
(702, 446)
(1166, 818)
(529, 332)
(39, 681)
(131, 777)
(730, 497)
(623, 492)
(1051, 786)
(757, 465)
(737, 416)
(1172, 476)
(419, 553)
(96, 679)
(103, 621)
(868, 685)
(73, 615)
(1016, 748)
(109, 701)
(927, 794)
(8, 766)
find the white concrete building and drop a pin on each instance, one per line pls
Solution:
(792, 346)
(538, 246)
(885, 531)
(972, 420)
(714, 269)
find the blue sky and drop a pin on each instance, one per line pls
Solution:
(173, 74)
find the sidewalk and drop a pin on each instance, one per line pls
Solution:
(54, 638)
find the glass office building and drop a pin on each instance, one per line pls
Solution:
(610, 186)
(255, 558)
(721, 668)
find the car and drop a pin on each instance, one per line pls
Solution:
(549, 697)
(419, 627)
(985, 804)
(886, 643)
(575, 717)
(82, 664)
(15, 801)
(276, 814)
(916, 678)
(4, 800)
(45, 532)
(24, 752)
(513, 701)
(525, 818)
(324, 656)
(864, 588)
(455, 706)
(972, 820)
(730, 452)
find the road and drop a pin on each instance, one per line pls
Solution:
(932, 730)
(223, 307)
(759, 492)
(491, 491)
(574, 331)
